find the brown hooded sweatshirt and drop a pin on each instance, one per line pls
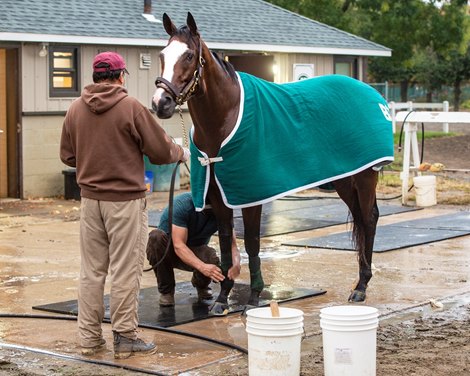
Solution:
(105, 135)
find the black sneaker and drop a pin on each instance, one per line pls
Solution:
(204, 293)
(167, 300)
(124, 347)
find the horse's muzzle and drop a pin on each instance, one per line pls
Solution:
(165, 106)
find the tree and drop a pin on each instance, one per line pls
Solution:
(326, 11)
(394, 23)
(430, 71)
(429, 39)
(382, 21)
(454, 46)
(441, 58)
(456, 71)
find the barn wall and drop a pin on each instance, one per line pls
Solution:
(42, 168)
(323, 64)
(35, 88)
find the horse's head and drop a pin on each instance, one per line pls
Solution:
(181, 67)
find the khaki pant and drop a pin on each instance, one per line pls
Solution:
(113, 236)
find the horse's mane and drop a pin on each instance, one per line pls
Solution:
(226, 65)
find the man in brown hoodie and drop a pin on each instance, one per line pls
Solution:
(105, 135)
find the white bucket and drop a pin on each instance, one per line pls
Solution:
(274, 342)
(349, 340)
(425, 190)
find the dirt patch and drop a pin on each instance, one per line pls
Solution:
(433, 344)
(452, 151)
(421, 343)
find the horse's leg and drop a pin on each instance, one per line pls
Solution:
(358, 192)
(225, 242)
(251, 224)
(224, 217)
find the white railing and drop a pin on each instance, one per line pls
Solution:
(410, 106)
(410, 148)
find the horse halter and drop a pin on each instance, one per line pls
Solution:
(190, 87)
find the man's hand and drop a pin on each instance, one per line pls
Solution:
(234, 272)
(186, 155)
(213, 272)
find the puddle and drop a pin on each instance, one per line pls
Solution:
(273, 254)
(451, 310)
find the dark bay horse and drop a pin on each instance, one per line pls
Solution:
(192, 73)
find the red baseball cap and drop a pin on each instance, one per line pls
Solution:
(109, 61)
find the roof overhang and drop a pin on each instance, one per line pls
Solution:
(56, 38)
(298, 49)
(52, 38)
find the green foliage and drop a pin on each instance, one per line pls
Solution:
(325, 11)
(427, 135)
(465, 105)
(429, 39)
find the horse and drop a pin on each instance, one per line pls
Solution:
(191, 73)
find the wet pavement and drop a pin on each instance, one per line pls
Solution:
(39, 264)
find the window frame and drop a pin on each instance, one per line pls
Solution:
(75, 72)
(351, 60)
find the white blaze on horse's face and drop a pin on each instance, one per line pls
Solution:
(171, 54)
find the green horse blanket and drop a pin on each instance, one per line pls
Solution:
(294, 136)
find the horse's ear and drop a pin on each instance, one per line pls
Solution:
(192, 24)
(168, 24)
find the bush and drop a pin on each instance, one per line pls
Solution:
(465, 105)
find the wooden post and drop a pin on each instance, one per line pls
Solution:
(274, 308)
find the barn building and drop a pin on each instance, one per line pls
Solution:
(47, 48)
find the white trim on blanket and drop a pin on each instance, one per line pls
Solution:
(377, 162)
(298, 189)
(240, 113)
(208, 176)
(224, 142)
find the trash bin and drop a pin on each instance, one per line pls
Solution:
(149, 181)
(71, 188)
(162, 175)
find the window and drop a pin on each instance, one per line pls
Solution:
(346, 65)
(64, 71)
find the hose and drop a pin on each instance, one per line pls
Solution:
(168, 330)
(170, 217)
(90, 361)
(102, 362)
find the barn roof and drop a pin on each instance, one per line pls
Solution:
(224, 24)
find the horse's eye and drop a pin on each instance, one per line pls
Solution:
(189, 57)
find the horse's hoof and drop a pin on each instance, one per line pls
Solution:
(357, 297)
(219, 309)
(247, 308)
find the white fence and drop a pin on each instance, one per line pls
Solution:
(411, 106)
(411, 159)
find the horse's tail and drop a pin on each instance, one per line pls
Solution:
(358, 238)
(359, 231)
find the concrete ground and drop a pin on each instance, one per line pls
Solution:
(39, 264)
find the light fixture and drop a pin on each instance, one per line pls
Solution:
(43, 50)
(275, 69)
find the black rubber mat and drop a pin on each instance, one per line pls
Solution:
(288, 216)
(398, 235)
(187, 307)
